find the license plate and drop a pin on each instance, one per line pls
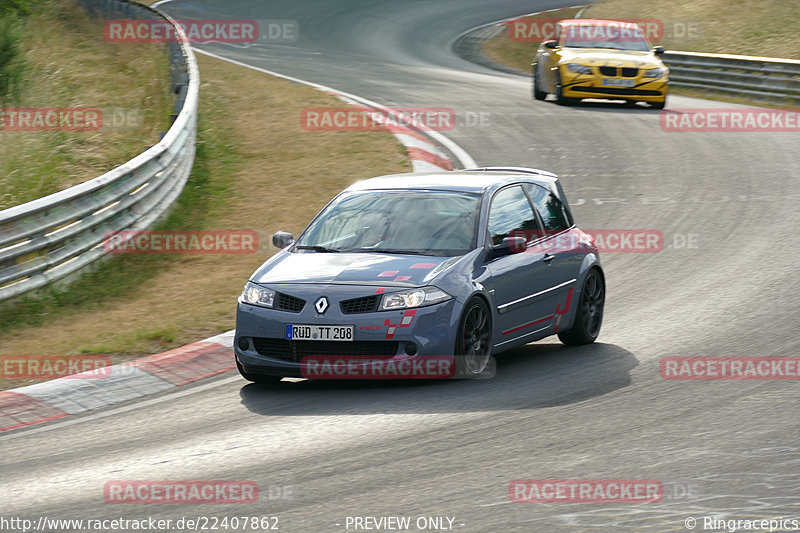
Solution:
(302, 332)
(616, 82)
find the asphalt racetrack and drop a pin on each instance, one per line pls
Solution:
(724, 284)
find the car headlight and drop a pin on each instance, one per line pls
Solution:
(579, 69)
(256, 295)
(655, 72)
(413, 298)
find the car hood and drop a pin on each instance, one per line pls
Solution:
(352, 268)
(617, 58)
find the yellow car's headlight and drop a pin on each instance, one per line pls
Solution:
(655, 72)
(579, 69)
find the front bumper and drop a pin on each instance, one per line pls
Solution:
(261, 347)
(592, 86)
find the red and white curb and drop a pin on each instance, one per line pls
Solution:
(71, 395)
(425, 155)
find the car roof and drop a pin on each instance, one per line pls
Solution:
(597, 22)
(472, 180)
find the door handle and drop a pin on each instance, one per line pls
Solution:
(548, 258)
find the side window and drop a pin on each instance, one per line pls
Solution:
(554, 215)
(511, 215)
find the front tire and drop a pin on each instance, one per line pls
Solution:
(659, 105)
(561, 99)
(589, 315)
(473, 351)
(537, 94)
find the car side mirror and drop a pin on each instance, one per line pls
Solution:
(658, 50)
(282, 239)
(551, 44)
(510, 245)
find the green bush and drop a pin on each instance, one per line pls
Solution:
(19, 7)
(12, 64)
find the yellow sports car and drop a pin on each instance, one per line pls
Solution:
(588, 58)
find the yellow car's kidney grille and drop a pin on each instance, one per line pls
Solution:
(625, 72)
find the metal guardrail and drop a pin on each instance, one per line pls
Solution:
(776, 80)
(469, 46)
(55, 237)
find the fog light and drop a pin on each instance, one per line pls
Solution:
(411, 349)
(244, 344)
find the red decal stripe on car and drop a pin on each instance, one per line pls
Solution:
(408, 317)
(529, 324)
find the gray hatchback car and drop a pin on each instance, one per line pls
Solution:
(405, 267)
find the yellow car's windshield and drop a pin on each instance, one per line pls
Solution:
(605, 36)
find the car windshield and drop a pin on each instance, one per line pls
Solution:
(605, 36)
(418, 222)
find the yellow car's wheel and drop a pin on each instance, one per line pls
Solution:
(561, 99)
(537, 94)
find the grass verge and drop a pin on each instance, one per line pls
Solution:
(68, 63)
(767, 28)
(256, 169)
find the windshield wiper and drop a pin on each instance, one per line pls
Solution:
(323, 249)
(399, 252)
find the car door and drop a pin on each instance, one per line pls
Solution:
(563, 251)
(516, 277)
